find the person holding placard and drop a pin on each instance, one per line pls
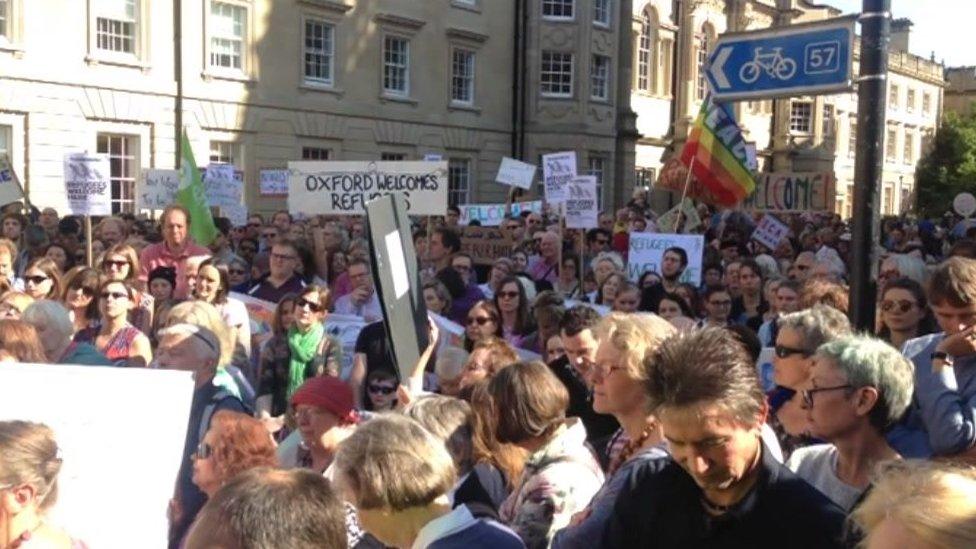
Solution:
(174, 250)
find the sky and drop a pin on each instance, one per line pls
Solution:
(942, 26)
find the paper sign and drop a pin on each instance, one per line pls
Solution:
(433, 157)
(515, 173)
(10, 189)
(157, 189)
(581, 203)
(86, 180)
(770, 232)
(485, 244)
(223, 185)
(235, 213)
(344, 188)
(101, 479)
(274, 183)
(793, 192)
(260, 311)
(558, 169)
(669, 220)
(492, 215)
(647, 250)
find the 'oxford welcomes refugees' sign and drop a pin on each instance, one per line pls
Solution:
(344, 188)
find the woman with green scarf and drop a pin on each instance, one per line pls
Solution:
(304, 351)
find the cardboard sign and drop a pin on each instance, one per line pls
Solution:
(492, 215)
(157, 189)
(515, 173)
(86, 180)
(10, 189)
(793, 192)
(558, 169)
(85, 405)
(485, 244)
(273, 183)
(647, 250)
(770, 232)
(344, 188)
(224, 185)
(581, 203)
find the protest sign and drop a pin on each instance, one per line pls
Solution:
(669, 220)
(433, 157)
(260, 311)
(770, 232)
(647, 250)
(491, 215)
(581, 203)
(692, 219)
(485, 244)
(101, 480)
(235, 213)
(223, 185)
(345, 328)
(515, 173)
(86, 180)
(157, 189)
(793, 192)
(10, 189)
(344, 188)
(752, 160)
(273, 183)
(558, 169)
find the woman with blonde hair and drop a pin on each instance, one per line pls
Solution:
(13, 303)
(19, 342)
(121, 262)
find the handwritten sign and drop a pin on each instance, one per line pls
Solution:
(273, 183)
(344, 188)
(157, 188)
(10, 189)
(770, 232)
(224, 185)
(491, 215)
(86, 180)
(690, 212)
(793, 192)
(581, 203)
(558, 169)
(647, 251)
(81, 404)
(485, 244)
(515, 173)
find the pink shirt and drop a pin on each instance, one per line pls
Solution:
(159, 255)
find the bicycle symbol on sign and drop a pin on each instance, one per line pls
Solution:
(776, 66)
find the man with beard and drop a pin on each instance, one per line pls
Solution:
(674, 261)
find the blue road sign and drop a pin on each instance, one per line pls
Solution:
(806, 59)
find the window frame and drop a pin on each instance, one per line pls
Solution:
(453, 193)
(908, 147)
(470, 79)
(794, 129)
(891, 144)
(605, 98)
(141, 38)
(572, 74)
(388, 92)
(852, 137)
(313, 153)
(555, 3)
(127, 181)
(910, 100)
(330, 81)
(893, 96)
(926, 103)
(645, 52)
(246, 71)
(603, 159)
(607, 22)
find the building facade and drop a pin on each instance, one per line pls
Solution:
(258, 83)
(960, 93)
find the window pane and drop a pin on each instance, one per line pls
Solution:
(601, 11)
(462, 76)
(801, 114)
(318, 51)
(562, 9)
(222, 152)
(600, 78)
(556, 76)
(5, 138)
(392, 157)
(115, 26)
(315, 153)
(123, 165)
(644, 45)
(4, 17)
(597, 167)
(227, 24)
(459, 181)
(395, 65)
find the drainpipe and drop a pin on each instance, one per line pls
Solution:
(178, 75)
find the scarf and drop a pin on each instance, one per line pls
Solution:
(302, 347)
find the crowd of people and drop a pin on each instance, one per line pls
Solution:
(577, 405)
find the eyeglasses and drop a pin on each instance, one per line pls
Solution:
(89, 292)
(114, 295)
(480, 320)
(204, 451)
(35, 279)
(313, 306)
(602, 241)
(107, 263)
(381, 389)
(807, 394)
(603, 371)
(507, 295)
(903, 306)
(282, 257)
(782, 351)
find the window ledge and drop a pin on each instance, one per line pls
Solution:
(552, 19)
(455, 106)
(210, 75)
(600, 101)
(13, 48)
(319, 87)
(476, 7)
(132, 62)
(549, 97)
(340, 7)
(387, 97)
(601, 26)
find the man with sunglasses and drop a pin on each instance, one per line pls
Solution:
(283, 277)
(174, 251)
(254, 224)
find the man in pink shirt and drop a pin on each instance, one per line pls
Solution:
(174, 250)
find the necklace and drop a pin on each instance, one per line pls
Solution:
(629, 449)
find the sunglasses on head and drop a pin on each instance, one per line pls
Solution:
(204, 451)
(313, 306)
(35, 279)
(480, 320)
(902, 306)
(782, 351)
(381, 389)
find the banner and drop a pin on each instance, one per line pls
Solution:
(101, 479)
(223, 186)
(793, 192)
(273, 183)
(515, 173)
(581, 203)
(492, 215)
(485, 244)
(647, 250)
(157, 189)
(558, 169)
(344, 188)
(191, 196)
(10, 189)
(86, 180)
(770, 232)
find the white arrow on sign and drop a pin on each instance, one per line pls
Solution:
(717, 67)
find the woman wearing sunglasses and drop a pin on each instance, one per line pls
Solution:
(234, 443)
(116, 338)
(79, 297)
(858, 388)
(42, 279)
(482, 321)
(513, 307)
(121, 262)
(381, 387)
(904, 312)
(212, 286)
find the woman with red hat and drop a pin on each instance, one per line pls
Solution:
(324, 417)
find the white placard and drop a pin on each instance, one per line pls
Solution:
(558, 169)
(964, 204)
(223, 185)
(235, 213)
(492, 215)
(86, 180)
(157, 189)
(274, 183)
(582, 210)
(752, 160)
(10, 189)
(121, 433)
(433, 157)
(647, 250)
(515, 173)
(398, 265)
(344, 188)
(770, 232)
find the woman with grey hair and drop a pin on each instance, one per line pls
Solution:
(859, 386)
(56, 331)
(603, 266)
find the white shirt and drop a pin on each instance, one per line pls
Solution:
(444, 526)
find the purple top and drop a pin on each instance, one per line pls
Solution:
(461, 305)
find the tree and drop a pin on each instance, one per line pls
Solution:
(949, 167)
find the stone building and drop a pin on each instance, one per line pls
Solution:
(960, 93)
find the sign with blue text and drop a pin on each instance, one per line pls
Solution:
(647, 251)
(807, 59)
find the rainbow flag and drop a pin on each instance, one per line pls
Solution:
(715, 152)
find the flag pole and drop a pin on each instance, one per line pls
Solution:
(684, 194)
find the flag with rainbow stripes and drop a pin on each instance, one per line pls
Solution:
(715, 153)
